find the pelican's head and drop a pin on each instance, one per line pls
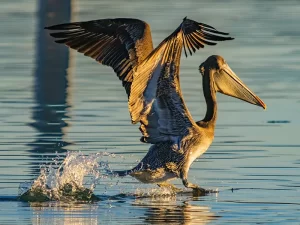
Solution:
(226, 81)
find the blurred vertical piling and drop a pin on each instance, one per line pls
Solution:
(52, 60)
(51, 79)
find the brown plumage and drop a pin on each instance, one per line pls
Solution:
(119, 43)
(151, 80)
(124, 43)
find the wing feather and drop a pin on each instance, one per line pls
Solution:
(121, 43)
(156, 100)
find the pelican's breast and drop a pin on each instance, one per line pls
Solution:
(198, 148)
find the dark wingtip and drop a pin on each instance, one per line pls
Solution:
(219, 32)
(184, 18)
(50, 27)
(64, 26)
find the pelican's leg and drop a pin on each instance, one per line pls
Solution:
(169, 186)
(196, 189)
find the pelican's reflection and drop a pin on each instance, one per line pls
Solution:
(170, 211)
(52, 84)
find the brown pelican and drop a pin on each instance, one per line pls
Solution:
(151, 80)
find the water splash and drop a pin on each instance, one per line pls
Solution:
(157, 192)
(73, 180)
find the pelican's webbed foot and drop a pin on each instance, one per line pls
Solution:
(170, 186)
(197, 191)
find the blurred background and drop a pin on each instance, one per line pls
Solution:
(54, 100)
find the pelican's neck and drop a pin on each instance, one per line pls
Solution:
(210, 98)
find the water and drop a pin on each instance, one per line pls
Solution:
(254, 160)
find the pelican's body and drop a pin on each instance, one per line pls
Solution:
(164, 161)
(151, 80)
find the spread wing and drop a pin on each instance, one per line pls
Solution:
(120, 43)
(156, 100)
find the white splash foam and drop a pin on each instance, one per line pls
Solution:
(73, 171)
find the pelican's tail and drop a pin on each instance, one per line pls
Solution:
(123, 173)
(120, 173)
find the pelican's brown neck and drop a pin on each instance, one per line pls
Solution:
(211, 100)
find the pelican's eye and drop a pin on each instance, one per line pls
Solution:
(201, 69)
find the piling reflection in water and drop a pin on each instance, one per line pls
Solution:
(52, 83)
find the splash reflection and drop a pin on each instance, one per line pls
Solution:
(59, 213)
